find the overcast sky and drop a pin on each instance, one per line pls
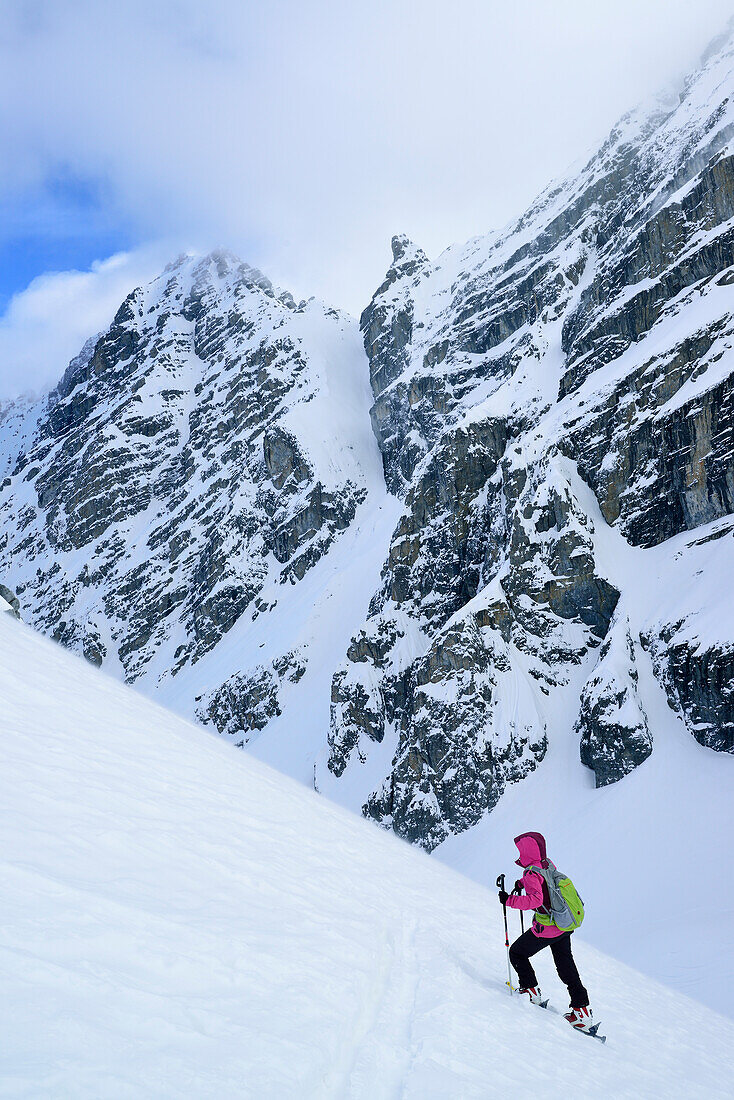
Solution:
(301, 135)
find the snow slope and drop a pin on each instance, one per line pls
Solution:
(179, 920)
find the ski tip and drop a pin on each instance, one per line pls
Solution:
(544, 1004)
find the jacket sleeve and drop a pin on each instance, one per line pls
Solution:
(533, 897)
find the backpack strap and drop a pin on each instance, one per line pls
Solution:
(540, 871)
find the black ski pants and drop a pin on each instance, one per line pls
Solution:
(529, 944)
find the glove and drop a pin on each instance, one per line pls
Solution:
(503, 896)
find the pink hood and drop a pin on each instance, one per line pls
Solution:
(531, 847)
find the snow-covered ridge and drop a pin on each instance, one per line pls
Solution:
(180, 920)
(193, 466)
(548, 400)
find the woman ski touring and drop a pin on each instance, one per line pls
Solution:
(558, 911)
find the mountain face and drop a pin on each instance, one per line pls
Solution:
(547, 402)
(409, 595)
(194, 464)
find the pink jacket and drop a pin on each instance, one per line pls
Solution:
(531, 847)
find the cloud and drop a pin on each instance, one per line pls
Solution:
(302, 135)
(46, 325)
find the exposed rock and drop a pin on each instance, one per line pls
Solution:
(387, 326)
(244, 704)
(699, 681)
(434, 679)
(455, 754)
(11, 600)
(187, 460)
(612, 723)
(592, 337)
(658, 460)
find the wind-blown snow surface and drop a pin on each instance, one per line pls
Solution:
(181, 921)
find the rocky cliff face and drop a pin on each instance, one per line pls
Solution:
(547, 401)
(201, 505)
(196, 461)
(9, 602)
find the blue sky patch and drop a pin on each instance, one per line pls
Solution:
(64, 225)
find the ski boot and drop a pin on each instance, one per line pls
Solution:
(536, 997)
(580, 1018)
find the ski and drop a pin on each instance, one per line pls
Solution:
(592, 1032)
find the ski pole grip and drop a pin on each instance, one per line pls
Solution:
(500, 882)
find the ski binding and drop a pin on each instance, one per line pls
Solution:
(593, 1031)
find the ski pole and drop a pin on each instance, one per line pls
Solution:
(501, 886)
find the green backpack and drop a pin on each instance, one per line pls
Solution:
(566, 907)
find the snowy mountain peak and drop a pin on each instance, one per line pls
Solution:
(404, 251)
(220, 274)
(208, 449)
(554, 405)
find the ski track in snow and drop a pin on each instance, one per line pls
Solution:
(180, 920)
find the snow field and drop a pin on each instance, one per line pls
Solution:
(180, 920)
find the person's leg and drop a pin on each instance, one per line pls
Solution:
(524, 946)
(567, 972)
